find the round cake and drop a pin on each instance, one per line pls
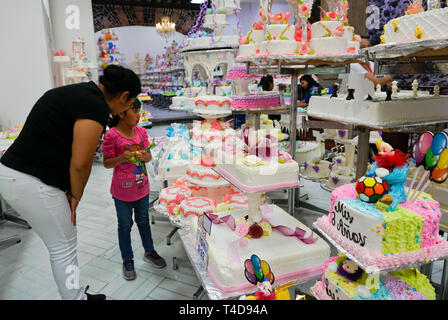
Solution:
(340, 176)
(169, 196)
(256, 101)
(204, 176)
(212, 104)
(317, 168)
(197, 206)
(425, 25)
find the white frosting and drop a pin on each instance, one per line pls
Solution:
(307, 152)
(256, 36)
(363, 292)
(279, 47)
(213, 104)
(339, 176)
(226, 6)
(329, 45)
(323, 168)
(434, 24)
(374, 113)
(357, 226)
(248, 49)
(284, 254)
(319, 29)
(280, 32)
(220, 20)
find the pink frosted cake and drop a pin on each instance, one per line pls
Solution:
(239, 72)
(197, 206)
(379, 238)
(256, 101)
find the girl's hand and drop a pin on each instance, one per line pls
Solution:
(125, 156)
(144, 156)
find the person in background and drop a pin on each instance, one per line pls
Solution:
(130, 184)
(266, 83)
(44, 173)
(308, 87)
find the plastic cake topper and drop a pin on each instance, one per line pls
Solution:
(385, 181)
(258, 272)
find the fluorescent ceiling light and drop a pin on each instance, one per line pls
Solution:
(197, 1)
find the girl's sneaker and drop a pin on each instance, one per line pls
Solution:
(156, 260)
(128, 270)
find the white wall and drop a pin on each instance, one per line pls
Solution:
(63, 35)
(249, 14)
(24, 59)
(142, 40)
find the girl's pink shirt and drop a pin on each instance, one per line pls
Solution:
(129, 181)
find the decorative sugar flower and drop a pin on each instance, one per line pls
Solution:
(258, 25)
(351, 50)
(216, 125)
(305, 50)
(171, 209)
(243, 40)
(263, 14)
(255, 231)
(304, 10)
(283, 156)
(383, 38)
(179, 198)
(267, 229)
(338, 32)
(419, 33)
(415, 8)
(395, 25)
(357, 38)
(242, 229)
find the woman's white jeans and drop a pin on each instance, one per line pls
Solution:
(47, 211)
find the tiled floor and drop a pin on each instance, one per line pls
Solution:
(25, 271)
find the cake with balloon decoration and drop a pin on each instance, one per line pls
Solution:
(417, 24)
(343, 279)
(382, 223)
(291, 248)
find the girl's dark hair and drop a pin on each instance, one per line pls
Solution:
(315, 12)
(311, 83)
(265, 82)
(117, 79)
(113, 120)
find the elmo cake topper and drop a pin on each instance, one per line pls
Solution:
(386, 179)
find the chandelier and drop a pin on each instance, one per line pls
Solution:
(165, 28)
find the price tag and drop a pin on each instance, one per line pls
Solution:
(204, 228)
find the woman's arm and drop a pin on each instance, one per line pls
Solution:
(386, 80)
(86, 136)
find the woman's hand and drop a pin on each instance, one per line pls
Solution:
(144, 156)
(73, 203)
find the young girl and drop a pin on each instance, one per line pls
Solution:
(124, 150)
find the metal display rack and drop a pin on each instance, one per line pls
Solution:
(294, 66)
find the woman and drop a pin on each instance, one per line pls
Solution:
(44, 172)
(308, 87)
